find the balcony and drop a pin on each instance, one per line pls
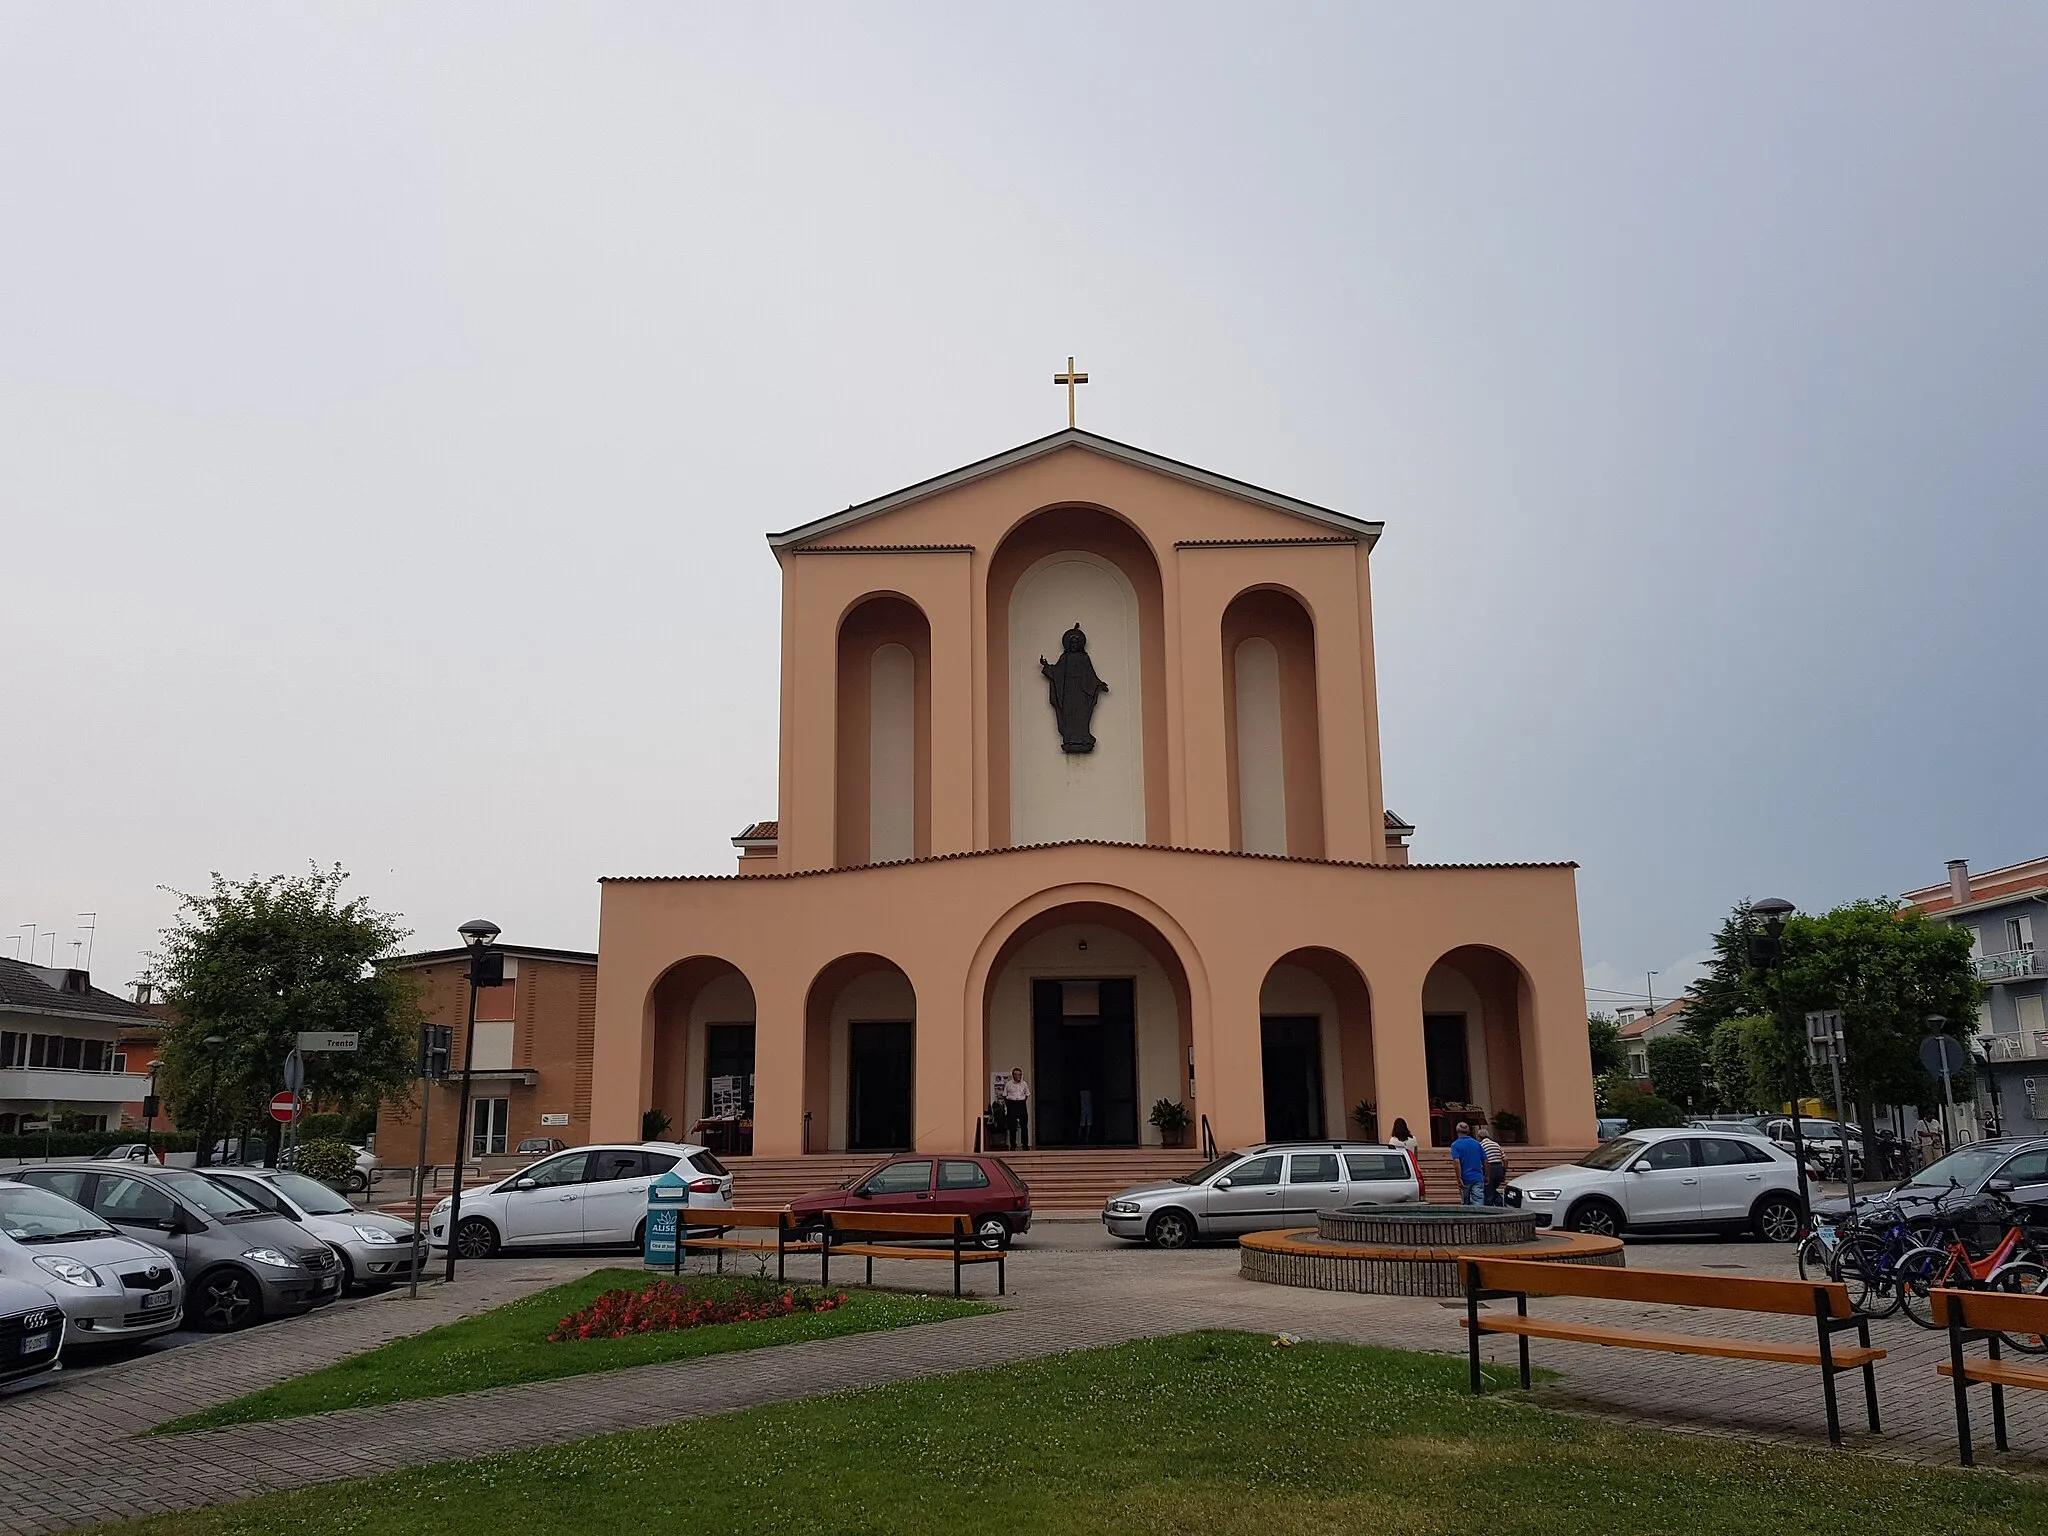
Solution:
(50, 1085)
(2028, 1045)
(2016, 965)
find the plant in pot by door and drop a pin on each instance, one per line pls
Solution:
(1367, 1116)
(1508, 1125)
(1171, 1119)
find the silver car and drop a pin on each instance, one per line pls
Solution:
(1277, 1184)
(112, 1288)
(31, 1330)
(376, 1250)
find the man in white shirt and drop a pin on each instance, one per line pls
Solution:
(1017, 1105)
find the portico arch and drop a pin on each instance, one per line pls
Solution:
(860, 1057)
(1315, 1046)
(703, 1021)
(1477, 1024)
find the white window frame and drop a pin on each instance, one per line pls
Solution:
(487, 1139)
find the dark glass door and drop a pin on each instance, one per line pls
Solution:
(878, 1087)
(1291, 1053)
(1443, 1053)
(728, 1069)
(1086, 1093)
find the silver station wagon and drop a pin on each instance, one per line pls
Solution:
(1277, 1184)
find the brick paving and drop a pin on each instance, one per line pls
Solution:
(74, 1453)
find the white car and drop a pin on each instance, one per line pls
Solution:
(1669, 1180)
(593, 1196)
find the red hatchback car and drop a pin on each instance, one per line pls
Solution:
(965, 1184)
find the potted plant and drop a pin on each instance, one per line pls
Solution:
(654, 1125)
(1367, 1115)
(1170, 1117)
(1508, 1125)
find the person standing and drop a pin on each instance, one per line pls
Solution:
(1017, 1101)
(1496, 1171)
(1402, 1138)
(1470, 1159)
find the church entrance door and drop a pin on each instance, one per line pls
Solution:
(1291, 1054)
(878, 1087)
(1085, 1060)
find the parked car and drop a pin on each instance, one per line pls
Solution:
(972, 1184)
(540, 1146)
(1276, 1184)
(112, 1288)
(2016, 1167)
(375, 1250)
(1675, 1179)
(358, 1182)
(31, 1330)
(127, 1152)
(592, 1196)
(240, 1263)
(1607, 1127)
(1741, 1125)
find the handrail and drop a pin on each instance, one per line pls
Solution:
(1208, 1141)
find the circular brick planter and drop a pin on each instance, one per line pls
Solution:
(1425, 1226)
(1306, 1258)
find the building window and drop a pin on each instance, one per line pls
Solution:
(120, 1061)
(488, 1118)
(13, 1048)
(2019, 933)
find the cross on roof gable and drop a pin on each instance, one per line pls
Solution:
(1075, 437)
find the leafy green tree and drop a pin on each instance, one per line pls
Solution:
(1728, 989)
(254, 962)
(1748, 1065)
(1678, 1072)
(1619, 1095)
(1603, 1036)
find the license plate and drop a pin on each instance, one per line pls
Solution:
(328, 1284)
(35, 1343)
(157, 1301)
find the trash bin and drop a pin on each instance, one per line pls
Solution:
(668, 1197)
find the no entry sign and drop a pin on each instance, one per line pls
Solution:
(284, 1108)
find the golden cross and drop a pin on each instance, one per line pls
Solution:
(1070, 379)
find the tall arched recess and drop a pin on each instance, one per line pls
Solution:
(883, 768)
(1272, 741)
(1058, 568)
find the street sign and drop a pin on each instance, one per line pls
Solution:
(1941, 1054)
(1824, 1043)
(294, 1071)
(554, 1119)
(329, 1040)
(284, 1108)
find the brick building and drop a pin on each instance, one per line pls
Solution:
(534, 1039)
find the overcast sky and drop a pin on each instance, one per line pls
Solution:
(392, 401)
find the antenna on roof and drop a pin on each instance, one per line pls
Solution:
(90, 929)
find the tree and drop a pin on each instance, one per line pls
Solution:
(1603, 1037)
(1678, 1072)
(1748, 1065)
(1728, 990)
(253, 963)
(1619, 1095)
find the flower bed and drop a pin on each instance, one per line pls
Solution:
(668, 1305)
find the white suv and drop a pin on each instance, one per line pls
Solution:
(586, 1197)
(1670, 1180)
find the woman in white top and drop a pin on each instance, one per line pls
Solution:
(1401, 1138)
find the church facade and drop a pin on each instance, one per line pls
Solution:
(1080, 774)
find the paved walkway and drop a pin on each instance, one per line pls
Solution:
(74, 1453)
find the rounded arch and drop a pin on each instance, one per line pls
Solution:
(1273, 737)
(859, 1057)
(701, 1017)
(1477, 999)
(1092, 991)
(1316, 1046)
(882, 763)
(1024, 748)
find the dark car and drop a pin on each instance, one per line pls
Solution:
(541, 1146)
(965, 1184)
(2014, 1167)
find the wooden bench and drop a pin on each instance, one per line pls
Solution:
(963, 1249)
(1972, 1315)
(1827, 1303)
(726, 1222)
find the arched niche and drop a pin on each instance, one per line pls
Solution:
(1315, 1046)
(1056, 567)
(1477, 1016)
(860, 1057)
(1273, 743)
(883, 765)
(703, 1013)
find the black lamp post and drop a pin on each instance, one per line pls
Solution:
(213, 1044)
(1767, 954)
(485, 970)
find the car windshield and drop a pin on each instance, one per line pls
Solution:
(1208, 1171)
(311, 1196)
(37, 1216)
(214, 1199)
(1613, 1154)
(1968, 1167)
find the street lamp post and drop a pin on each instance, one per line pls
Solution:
(1767, 954)
(478, 935)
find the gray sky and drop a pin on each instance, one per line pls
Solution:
(392, 401)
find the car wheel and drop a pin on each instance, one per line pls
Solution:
(223, 1301)
(1598, 1218)
(993, 1233)
(1776, 1219)
(476, 1239)
(358, 1182)
(1171, 1229)
(348, 1275)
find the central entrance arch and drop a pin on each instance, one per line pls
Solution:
(1091, 1001)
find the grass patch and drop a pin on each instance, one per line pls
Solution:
(1204, 1432)
(509, 1344)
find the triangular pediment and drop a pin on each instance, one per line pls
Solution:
(1323, 519)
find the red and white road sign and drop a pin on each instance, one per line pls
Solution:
(284, 1108)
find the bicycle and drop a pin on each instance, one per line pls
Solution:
(2013, 1265)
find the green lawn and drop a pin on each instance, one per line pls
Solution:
(1200, 1433)
(509, 1344)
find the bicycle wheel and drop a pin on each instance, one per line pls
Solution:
(1916, 1272)
(2022, 1277)
(1814, 1254)
(1859, 1263)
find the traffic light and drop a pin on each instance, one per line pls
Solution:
(436, 1041)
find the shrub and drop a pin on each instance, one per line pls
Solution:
(330, 1125)
(84, 1143)
(1643, 1111)
(1509, 1124)
(654, 1124)
(331, 1162)
(1170, 1115)
(668, 1305)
